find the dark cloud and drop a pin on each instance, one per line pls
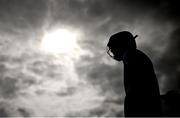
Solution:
(7, 109)
(45, 68)
(69, 92)
(23, 112)
(169, 63)
(25, 81)
(112, 108)
(3, 113)
(21, 15)
(98, 73)
(8, 87)
(110, 78)
(3, 69)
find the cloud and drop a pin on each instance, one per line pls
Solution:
(24, 69)
(109, 108)
(24, 112)
(3, 113)
(8, 110)
(8, 87)
(169, 63)
(22, 15)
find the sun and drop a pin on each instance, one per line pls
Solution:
(59, 41)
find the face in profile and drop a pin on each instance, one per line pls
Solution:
(119, 43)
(116, 53)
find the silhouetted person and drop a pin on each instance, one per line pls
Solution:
(140, 82)
(171, 104)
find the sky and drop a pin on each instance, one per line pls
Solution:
(84, 81)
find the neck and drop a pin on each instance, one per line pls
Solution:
(126, 55)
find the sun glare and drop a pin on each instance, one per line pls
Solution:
(59, 41)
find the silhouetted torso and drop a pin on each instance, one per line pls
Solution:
(141, 86)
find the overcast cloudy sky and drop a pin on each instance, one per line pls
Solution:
(87, 83)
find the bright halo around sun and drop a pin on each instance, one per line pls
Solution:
(59, 41)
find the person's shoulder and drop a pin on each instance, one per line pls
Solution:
(136, 56)
(141, 55)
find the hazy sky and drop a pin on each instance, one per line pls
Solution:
(85, 82)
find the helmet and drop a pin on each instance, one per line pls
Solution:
(121, 41)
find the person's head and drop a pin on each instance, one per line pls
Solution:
(119, 43)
